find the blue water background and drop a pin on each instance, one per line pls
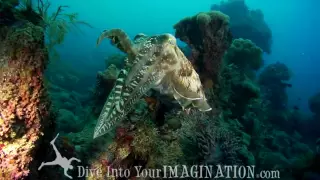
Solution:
(295, 25)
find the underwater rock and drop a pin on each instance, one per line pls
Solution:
(67, 122)
(24, 104)
(63, 75)
(208, 36)
(66, 100)
(246, 23)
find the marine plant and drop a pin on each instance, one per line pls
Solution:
(57, 25)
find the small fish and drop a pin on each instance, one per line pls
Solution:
(296, 107)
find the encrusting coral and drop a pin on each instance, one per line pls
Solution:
(24, 107)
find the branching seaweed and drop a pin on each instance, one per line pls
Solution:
(56, 25)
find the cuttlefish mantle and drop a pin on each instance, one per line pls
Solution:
(153, 62)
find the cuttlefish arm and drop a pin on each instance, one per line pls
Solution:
(120, 40)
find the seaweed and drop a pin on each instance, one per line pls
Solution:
(56, 25)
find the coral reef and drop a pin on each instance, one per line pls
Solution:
(244, 54)
(237, 86)
(212, 140)
(245, 127)
(138, 144)
(273, 81)
(246, 23)
(208, 36)
(24, 105)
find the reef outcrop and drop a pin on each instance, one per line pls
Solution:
(246, 23)
(24, 105)
(208, 35)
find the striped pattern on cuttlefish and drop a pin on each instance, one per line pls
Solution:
(153, 62)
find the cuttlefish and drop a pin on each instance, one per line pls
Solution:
(153, 62)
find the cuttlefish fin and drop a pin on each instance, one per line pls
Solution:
(202, 105)
(184, 103)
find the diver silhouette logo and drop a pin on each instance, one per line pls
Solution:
(61, 161)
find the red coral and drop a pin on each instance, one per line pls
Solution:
(23, 109)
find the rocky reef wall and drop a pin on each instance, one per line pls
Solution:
(24, 105)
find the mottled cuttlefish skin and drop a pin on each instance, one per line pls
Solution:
(153, 62)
